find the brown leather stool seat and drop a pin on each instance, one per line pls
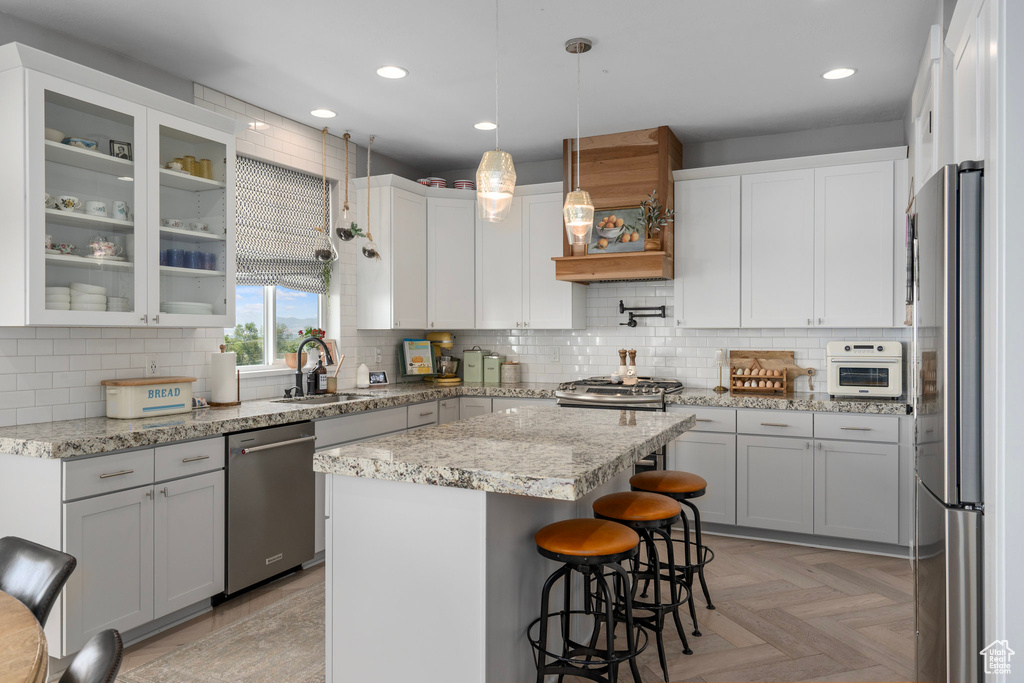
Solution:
(585, 539)
(672, 483)
(636, 506)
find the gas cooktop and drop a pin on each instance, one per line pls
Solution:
(600, 392)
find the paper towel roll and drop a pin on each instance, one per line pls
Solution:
(223, 387)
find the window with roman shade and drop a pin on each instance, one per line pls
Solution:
(278, 216)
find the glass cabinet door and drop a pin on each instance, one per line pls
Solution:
(193, 214)
(86, 163)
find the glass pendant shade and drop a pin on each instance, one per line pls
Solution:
(495, 185)
(579, 219)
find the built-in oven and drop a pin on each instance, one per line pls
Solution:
(865, 368)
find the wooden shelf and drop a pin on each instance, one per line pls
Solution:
(83, 262)
(84, 220)
(183, 181)
(184, 235)
(60, 153)
(190, 272)
(634, 265)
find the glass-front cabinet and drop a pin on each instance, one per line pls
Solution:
(87, 163)
(191, 210)
(119, 201)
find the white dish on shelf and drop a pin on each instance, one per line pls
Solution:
(117, 300)
(52, 251)
(59, 290)
(104, 258)
(88, 307)
(83, 298)
(88, 289)
(57, 306)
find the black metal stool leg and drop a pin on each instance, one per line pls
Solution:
(674, 585)
(688, 573)
(700, 552)
(545, 597)
(659, 614)
(609, 601)
(630, 631)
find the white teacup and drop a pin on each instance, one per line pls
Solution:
(172, 223)
(68, 202)
(121, 210)
(95, 207)
(201, 227)
(51, 201)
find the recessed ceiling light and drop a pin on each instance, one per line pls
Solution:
(485, 125)
(842, 72)
(323, 113)
(258, 125)
(127, 178)
(392, 72)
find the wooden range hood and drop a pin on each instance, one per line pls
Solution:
(620, 170)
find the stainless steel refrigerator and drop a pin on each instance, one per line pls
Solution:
(947, 407)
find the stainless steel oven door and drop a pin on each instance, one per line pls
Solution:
(881, 377)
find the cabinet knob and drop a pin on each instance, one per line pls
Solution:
(808, 445)
(820, 445)
(526, 324)
(810, 322)
(821, 321)
(518, 325)
(164, 491)
(431, 324)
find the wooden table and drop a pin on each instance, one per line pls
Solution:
(22, 643)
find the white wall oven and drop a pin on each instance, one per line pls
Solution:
(865, 368)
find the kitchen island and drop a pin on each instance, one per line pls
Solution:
(432, 573)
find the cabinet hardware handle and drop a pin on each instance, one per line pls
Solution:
(431, 324)
(821, 321)
(704, 419)
(327, 516)
(164, 491)
(144, 318)
(149, 493)
(808, 445)
(518, 325)
(279, 444)
(429, 412)
(526, 324)
(809, 321)
(820, 446)
(774, 424)
(156, 319)
(116, 474)
(198, 457)
(857, 429)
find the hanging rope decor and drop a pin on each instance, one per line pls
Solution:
(326, 253)
(370, 249)
(345, 229)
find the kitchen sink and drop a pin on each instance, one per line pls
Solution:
(320, 399)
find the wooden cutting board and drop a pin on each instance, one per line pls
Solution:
(772, 360)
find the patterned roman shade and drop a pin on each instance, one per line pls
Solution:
(277, 215)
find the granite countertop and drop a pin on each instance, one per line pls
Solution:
(94, 435)
(530, 451)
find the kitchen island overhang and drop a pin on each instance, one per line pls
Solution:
(432, 572)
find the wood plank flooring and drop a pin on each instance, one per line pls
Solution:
(793, 613)
(784, 613)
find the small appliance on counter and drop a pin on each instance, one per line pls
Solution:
(473, 365)
(445, 366)
(148, 396)
(492, 368)
(865, 368)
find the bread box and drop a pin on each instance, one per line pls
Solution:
(148, 396)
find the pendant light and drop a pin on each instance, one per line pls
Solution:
(325, 253)
(370, 249)
(496, 174)
(578, 211)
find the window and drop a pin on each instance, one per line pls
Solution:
(273, 307)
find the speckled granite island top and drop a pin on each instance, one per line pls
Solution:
(93, 435)
(542, 452)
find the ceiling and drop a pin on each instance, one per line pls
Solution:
(712, 69)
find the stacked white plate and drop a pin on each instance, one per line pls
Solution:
(464, 185)
(186, 307)
(118, 303)
(423, 181)
(437, 182)
(58, 298)
(88, 297)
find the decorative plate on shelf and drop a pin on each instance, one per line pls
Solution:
(105, 258)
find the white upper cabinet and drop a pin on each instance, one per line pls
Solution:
(707, 234)
(853, 245)
(451, 254)
(778, 249)
(548, 304)
(499, 271)
(969, 39)
(105, 192)
(392, 291)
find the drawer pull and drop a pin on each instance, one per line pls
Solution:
(774, 424)
(194, 459)
(429, 412)
(856, 429)
(164, 491)
(704, 419)
(116, 474)
(277, 444)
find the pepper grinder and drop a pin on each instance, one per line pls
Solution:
(622, 362)
(631, 370)
(720, 359)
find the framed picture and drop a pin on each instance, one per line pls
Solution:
(616, 230)
(121, 150)
(378, 377)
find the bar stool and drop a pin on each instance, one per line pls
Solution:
(650, 514)
(683, 487)
(594, 548)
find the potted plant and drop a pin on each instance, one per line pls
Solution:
(312, 332)
(653, 219)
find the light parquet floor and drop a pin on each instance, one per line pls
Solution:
(784, 613)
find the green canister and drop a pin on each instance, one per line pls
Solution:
(473, 365)
(492, 368)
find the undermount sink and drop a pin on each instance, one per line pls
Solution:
(320, 399)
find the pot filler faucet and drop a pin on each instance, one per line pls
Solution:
(298, 360)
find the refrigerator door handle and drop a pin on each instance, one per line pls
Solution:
(963, 595)
(968, 336)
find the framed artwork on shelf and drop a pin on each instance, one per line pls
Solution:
(616, 231)
(121, 150)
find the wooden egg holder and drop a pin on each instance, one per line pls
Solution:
(770, 391)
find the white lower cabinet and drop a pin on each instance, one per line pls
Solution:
(111, 536)
(448, 410)
(712, 456)
(188, 542)
(775, 483)
(471, 406)
(856, 490)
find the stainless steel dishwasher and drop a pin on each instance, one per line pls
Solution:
(270, 491)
